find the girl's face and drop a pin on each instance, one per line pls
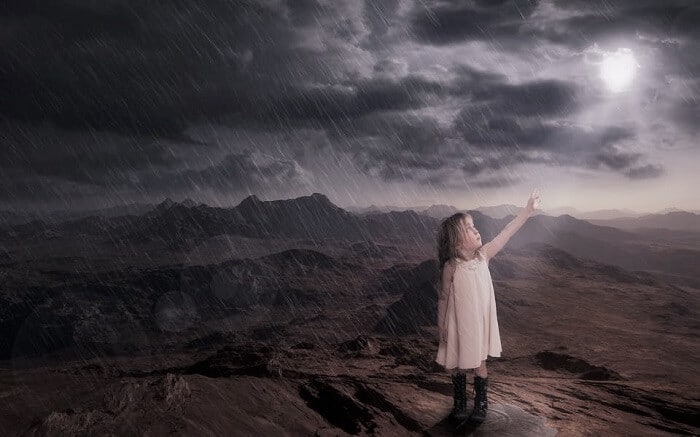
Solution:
(470, 237)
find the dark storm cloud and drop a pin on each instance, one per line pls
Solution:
(497, 182)
(146, 70)
(648, 171)
(84, 158)
(369, 118)
(513, 132)
(523, 124)
(361, 115)
(509, 124)
(672, 17)
(16, 187)
(442, 23)
(468, 77)
(45, 164)
(686, 114)
(160, 66)
(143, 67)
(152, 67)
(527, 139)
(508, 115)
(484, 128)
(669, 26)
(74, 19)
(245, 172)
(325, 105)
(598, 21)
(539, 98)
(404, 132)
(395, 146)
(398, 166)
(379, 16)
(489, 163)
(389, 67)
(511, 115)
(239, 173)
(613, 159)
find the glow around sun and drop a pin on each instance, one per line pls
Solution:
(618, 69)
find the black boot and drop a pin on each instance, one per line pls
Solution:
(459, 383)
(480, 403)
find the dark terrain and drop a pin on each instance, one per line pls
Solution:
(297, 316)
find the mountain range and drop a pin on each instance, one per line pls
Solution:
(176, 228)
(610, 217)
(500, 211)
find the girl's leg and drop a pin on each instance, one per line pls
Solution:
(459, 383)
(480, 402)
(457, 370)
(481, 370)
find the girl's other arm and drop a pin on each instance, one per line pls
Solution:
(494, 246)
(441, 309)
(443, 294)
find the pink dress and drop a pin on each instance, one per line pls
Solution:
(470, 318)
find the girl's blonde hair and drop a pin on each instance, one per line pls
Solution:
(448, 238)
(447, 242)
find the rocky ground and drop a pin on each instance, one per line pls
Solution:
(341, 343)
(371, 385)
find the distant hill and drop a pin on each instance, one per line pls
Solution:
(439, 211)
(499, 211)
(608, 214)
(372, 209)
(604, 214)
(677, 221)
(119, 210)
(563, 210)
(375, 209)
(673, 209)
(416, 285)
(312, 217)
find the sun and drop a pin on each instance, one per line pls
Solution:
(618, 69)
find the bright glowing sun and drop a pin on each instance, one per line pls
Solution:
(618, 69)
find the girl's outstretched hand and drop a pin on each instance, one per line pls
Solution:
(534, 201)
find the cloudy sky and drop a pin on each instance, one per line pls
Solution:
(402, 102)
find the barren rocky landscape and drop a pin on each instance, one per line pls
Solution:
(299, 318)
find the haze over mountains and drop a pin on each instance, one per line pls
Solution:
(500, 211)
(11, 217)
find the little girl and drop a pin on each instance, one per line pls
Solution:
(467, 321)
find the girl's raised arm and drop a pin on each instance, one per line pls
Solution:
(494, 246)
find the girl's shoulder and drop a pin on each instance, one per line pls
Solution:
(479, 258)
